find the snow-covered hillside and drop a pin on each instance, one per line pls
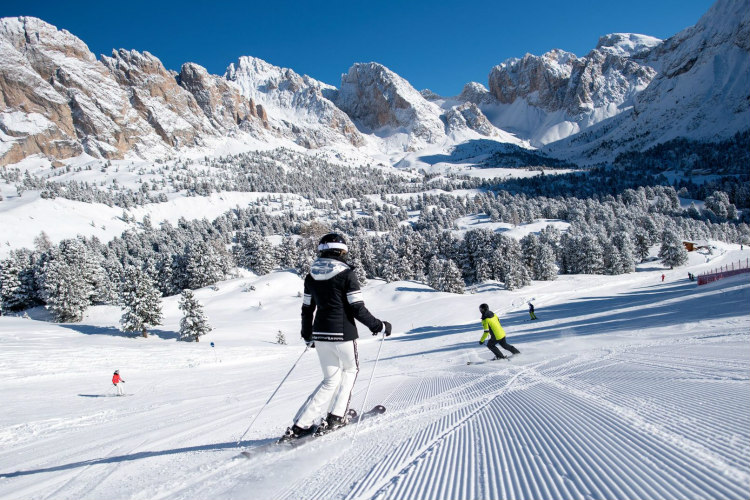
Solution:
(627, 388)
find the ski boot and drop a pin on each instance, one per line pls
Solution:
(296, 432)
(330, 424)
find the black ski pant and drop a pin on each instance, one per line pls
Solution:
(492, 346)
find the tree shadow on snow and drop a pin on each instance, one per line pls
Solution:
(138, 456)
(661, 305)
(116, 332)
(657, 306)
(432, 332)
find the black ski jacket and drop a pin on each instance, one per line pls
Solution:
(332, 288)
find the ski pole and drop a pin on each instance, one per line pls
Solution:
(364, 403)
(307, 347)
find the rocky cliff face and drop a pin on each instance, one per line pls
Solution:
(221, 100)
(568, 93)
(299, 106)
(381, 102)
(700, 92)
(469, 116)
(57, 99)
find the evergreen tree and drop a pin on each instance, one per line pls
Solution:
(672, 252)
(255, 252)
(515, 273)
(202, 265)
(589, 255)
(141, 302)
(17, 283)
(65, 288)
(642, 243)
(545, 267)
(435, 277)
(452, 280)
(286, 253)
(194, 323)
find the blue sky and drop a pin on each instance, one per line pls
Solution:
(437, 45)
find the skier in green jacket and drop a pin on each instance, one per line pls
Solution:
(491, 324)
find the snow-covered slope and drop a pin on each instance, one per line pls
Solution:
(626, 388)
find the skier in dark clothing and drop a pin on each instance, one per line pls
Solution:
(331, 302)
(531, 311)
(495, 332)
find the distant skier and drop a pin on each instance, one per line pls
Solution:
(495, 332)
(531, 311)
(662, 278)
(117, 381)
(332, 288)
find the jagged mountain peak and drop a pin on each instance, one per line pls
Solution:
(31, 33)
(382, 102)
(299, 106)
(627, 44)
(700, 93)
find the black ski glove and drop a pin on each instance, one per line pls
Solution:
(387, 327)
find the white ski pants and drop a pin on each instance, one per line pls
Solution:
(340, 366)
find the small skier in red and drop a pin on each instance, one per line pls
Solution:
(662, 278)
(116, 379)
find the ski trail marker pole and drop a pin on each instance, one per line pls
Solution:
(307, 347)
(364, 403)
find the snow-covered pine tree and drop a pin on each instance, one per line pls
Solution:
(530, 249)
(515, 273)
(589, 255)
(140, 300)
(672, 252)
(203, 265)
(194, 323)
(65, 288)
(452, 279)
(435, 273)
(10, 284)
(545, 267)
(612, 260)
(255, 252)
(286, 253)
(623, 242)
(17, 281)
(389, 270)
(642, 242)
(354, 260)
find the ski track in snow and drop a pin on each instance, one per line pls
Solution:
(640, 411)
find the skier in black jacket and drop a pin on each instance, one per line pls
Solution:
(331, 303)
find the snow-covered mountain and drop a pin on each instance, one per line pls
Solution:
(700, 91)
(299, 106)
(629, 93)
(58, 100)
(550, 97)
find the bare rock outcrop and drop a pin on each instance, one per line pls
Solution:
(377, 99)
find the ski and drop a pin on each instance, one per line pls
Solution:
(506, 358)
(281, 445)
